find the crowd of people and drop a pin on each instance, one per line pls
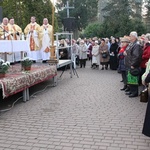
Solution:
(129, 55)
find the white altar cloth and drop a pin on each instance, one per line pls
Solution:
(12, 50)
(12, 46)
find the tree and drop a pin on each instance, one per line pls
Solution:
(146, 14)
(93, 29)
(84, 11)
(136, 6)
(118, 19)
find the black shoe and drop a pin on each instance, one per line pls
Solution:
(94, 67)
(12, 63)
(128, 93)
(44, 61)
(133, 95)
(127, 90)
(123, 88)
(102, 69)
(121, 81)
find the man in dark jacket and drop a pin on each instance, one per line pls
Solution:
(133, 57)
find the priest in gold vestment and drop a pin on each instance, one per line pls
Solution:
(4, 30)
(14, 30)
(6, 35)
(32, 36)
(16, 34)
(45, 39)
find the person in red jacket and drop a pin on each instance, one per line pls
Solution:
(121, 67)
(146, 54)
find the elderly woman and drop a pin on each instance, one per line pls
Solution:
(113, 54)
(121, 67)
(63, 53)
(104, 54)
(146, 53)
(82, 53)
(95, 56)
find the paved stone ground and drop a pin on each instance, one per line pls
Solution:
(85, 113)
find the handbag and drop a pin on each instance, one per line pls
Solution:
(135, 71)
(132, 80)
(104, 55)
(144, 95)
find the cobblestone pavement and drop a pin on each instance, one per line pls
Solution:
(85, 113)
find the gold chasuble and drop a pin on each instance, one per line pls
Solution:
(4, 32)
(15, 31)
(32, 35)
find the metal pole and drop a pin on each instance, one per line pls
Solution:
(67, 9)
(53, 11)
(53, 59)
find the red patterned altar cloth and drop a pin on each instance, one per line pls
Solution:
(16, 80)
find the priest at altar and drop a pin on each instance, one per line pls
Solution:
(45, 39)
(32, 36)
(16, 34)
(6, 35)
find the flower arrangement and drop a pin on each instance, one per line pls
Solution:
(4, 66)
(26, 63)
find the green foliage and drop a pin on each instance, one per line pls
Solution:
(4, 66)
(93, 29)
(26, 62)
(117, 29)
(22, 10)
(118, 21)
(84, 11)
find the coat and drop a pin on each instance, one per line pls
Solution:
(145, 55)
(95, 55)
(121, 66)
(134, 55)
(82, 51)
(104, 48)
(113, 56)
(146, 126)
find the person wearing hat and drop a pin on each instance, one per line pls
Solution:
(95, 56)
(121, 67)
(133, 57)
(82, 53)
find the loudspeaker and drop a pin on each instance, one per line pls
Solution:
(1, 14)
(69, 24)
